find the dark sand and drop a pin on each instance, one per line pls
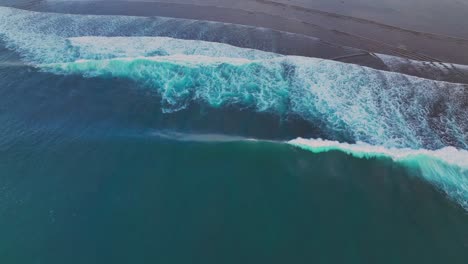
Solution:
(349, 31)
(85, 178)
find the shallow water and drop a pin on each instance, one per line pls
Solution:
(104, 161)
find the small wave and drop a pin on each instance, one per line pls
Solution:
(203, 138)
(446, 168)
(11, 64)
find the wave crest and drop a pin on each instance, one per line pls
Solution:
(348, 102)
(445, 168)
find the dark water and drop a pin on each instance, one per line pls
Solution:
(120, 200)
(93, 170)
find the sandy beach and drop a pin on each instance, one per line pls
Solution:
(408, 37)
(227, 132)
(349, 31)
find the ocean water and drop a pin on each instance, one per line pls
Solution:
(142, 140)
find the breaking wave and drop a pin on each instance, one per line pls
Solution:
(348, 102)
(445, 168)
(412, 121)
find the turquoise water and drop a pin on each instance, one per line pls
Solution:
(146, 200)
(120, 143)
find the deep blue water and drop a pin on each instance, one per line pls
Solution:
(119, 146)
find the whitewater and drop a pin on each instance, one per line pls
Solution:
(420, 123)
(446, 168)
(348, 101)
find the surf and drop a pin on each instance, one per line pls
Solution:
(345, 100)
(445, 168)
(348, 102)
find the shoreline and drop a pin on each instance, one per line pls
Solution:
(330, 27)
(331, 36)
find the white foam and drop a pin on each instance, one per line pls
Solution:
(446, 168)
(346, 101)
(437, 70)
(376, 107)
(92, 47)
(187, 60)
(448, 155)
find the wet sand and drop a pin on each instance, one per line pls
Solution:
(345, 34)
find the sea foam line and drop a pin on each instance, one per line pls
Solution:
(449, 155)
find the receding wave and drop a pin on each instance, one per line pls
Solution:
(347, 102)
(48, 30)
(93, 47)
